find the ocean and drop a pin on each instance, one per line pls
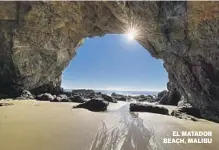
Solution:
(133, 93)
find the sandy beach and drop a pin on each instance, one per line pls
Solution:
(36, 125)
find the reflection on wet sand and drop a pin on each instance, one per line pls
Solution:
(129, 134)
(34, 125)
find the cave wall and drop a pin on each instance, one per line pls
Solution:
(38, 39)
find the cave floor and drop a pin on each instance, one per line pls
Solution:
(34, 125)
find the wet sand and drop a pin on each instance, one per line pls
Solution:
(34, 125)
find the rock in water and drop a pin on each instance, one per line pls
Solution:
(139, 107)
(108, 98)
(94, 105)
(45, 97)
(77, 99)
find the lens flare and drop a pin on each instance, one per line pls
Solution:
(131, 33)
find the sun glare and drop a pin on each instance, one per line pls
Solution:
(131, 33)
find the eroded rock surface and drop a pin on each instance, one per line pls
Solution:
(139, 107)
(26, 95)
(38, 39)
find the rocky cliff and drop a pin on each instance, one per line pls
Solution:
(38, 39)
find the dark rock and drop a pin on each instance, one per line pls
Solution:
(77, 99)
(169, 97)
(144, 98)
(94, 105)
(161, 94)
(108, 98)
(186, 111)
(121, 98)
(165, 99)
(190, 111)
(84, 93)
(53, 87)
(45, 97)
(113, 94)
(69, 94)
(139, 107)
(118, 97)
(174, 97)
(26, 95)
(182, 115)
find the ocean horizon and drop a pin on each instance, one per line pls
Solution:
(123, 92)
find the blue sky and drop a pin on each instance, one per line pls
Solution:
(113, 62)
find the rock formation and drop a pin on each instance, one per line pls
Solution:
(171, 97)
(139, 107)
(38, 39)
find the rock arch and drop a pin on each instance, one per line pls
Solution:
(38, 39)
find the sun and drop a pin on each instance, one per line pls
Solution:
(131, 33)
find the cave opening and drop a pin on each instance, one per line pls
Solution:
(114, 62)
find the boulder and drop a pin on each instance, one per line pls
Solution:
(26, 95)
(45, 97)
(169, 97)
(165, 99)
(108, 98)
(62, 98)
(161, 94)
(174, 97)
(94, 105)
(77, 99)
(139, 107)
(113, 94)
